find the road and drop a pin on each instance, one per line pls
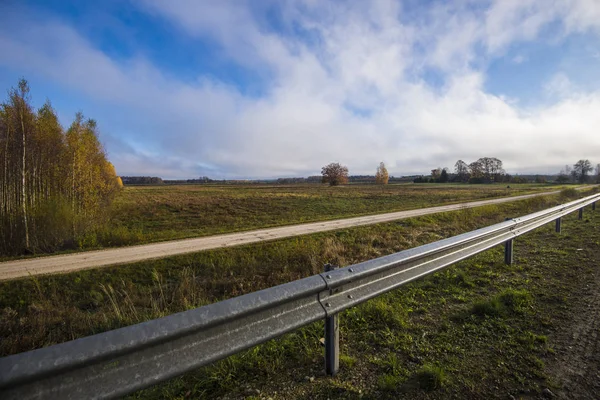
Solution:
(124, 255)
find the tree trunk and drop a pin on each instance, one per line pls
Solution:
(24, 193)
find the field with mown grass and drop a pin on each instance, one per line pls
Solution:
(478, 329)
(144, 214)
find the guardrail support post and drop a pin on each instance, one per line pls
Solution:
(558, 227)
(508, 249)
(593, 205)
(332, 339)
(581, 213)
(508, 252)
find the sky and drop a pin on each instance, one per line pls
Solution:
(278, 88)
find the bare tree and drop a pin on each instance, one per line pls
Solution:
(335, 174)
(382, 176)
(569, 172)
(496, 170)
(581, 169)
(462, 170)
(563, 176)
(476, 169)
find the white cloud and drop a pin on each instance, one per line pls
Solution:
(519, 59)
(365, 57)
(559, 86)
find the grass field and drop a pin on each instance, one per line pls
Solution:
(145, 214)
(152, 213)
(477, 329)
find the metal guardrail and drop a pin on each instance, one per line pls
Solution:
(121, 361)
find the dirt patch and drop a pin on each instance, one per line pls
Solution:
(576, 365)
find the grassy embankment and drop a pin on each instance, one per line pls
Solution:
(476, 329)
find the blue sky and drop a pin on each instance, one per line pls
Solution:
(249, 89)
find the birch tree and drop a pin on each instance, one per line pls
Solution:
(54, 185)
(381, 176)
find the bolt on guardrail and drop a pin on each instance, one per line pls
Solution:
(121, 361)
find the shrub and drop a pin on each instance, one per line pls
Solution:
(569, 193)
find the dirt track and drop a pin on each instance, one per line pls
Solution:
(124, 255)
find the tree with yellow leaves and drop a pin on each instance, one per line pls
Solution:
(54, 186)
(382, 176)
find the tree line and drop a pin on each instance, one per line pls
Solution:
(55, 184)
(580, 172)
(483, 170)
(142, 180)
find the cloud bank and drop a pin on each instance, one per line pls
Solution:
(353, 82)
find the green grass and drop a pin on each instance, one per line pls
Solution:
(510, 301)
(425, 340)
(431, 377)
(144, 214)
(152, 213)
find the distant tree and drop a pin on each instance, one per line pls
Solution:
(568, 171)
(490, 169)
(597, 173)
(476, 170)
(496, 170)
(518, 179)
(461, 169)
(334, 174)
(435, 174)
(381, 176)
(540, 179)
(564, 176)
(581, 169)
(444, 176)
(142, 180)
(486, 168)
